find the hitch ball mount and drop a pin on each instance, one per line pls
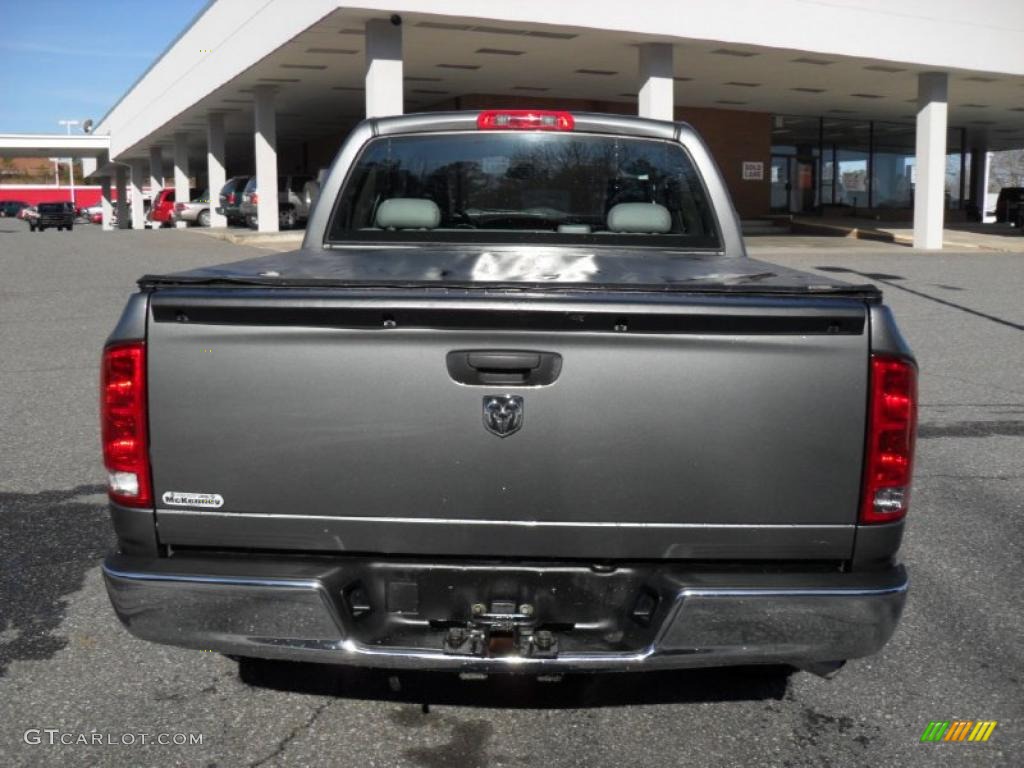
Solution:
(504, 630)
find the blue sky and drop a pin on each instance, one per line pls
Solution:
(73, 59)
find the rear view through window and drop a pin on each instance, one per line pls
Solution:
(502, 187)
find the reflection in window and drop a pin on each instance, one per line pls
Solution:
(865, 164)
(892, 166)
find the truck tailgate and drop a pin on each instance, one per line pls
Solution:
(680, 427)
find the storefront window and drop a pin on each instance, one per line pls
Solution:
(955, 190)
(795, 164)
(856, 164)
(892, 166)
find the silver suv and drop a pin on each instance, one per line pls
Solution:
(293, 202)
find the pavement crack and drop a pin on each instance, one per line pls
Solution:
(282, 745)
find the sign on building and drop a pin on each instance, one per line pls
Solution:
(753, 171)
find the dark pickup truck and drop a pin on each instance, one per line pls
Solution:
(521, 403)
(56, 215)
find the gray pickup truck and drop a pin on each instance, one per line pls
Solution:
(521, 403)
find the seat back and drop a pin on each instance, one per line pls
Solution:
(639, 218)
(407, 213)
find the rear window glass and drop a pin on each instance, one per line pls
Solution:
(52, 207)
(524, 186)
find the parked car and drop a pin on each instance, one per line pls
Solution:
(196, 211)
(161, 210)
(92, 214)
(12, 207)
(57, 215)
(541, 414)
(293, 205)
(1008, 204)
(231, 199)
(31, 215)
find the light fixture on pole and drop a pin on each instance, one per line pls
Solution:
(71, 160)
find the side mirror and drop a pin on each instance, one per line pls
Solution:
(310, 193)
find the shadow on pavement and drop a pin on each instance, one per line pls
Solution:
(521, 691)
(48, 540)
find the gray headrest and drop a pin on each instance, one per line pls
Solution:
(408, 213)
(643, 218)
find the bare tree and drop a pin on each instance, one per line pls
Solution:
(1006, 170)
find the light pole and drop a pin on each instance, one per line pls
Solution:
(71, 160)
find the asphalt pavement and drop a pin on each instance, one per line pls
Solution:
(69, 672)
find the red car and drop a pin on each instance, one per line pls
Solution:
(161, 212)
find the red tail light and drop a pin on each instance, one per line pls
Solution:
(231, 198)
(524, 120)
(892, 429)
(123, 421)
(254, 198)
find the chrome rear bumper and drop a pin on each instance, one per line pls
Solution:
(295, 612)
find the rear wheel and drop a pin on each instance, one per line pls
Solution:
(203, 219)
(70, 227)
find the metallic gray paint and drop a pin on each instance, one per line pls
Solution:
(131, 326)
(135, 529)
(885, 334)
(878, 543)
(505, 538)
(347, 423)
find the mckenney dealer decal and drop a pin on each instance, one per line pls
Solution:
(187, 499)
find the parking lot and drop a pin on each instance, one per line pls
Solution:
(66, 663)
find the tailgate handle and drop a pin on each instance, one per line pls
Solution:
(512, 367)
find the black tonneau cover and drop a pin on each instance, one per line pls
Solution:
(515, 267)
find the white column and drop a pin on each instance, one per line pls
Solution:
(657, 96)
(106, 205)
(181, 192)
(156, 171)
(930, 165)
(215, 164)
(383, 68)
(138, 206)
(265, 137)
(121, 182)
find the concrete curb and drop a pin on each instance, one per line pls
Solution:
(254, 238)
(805, 227)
